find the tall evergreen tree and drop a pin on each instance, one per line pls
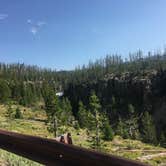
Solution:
(66, 115)
(18, 114)
(107, 130)
(83, 116)
(51, 106)
(163, 139)
(121, 129)
(132, 123)
(9, 112)
(5, 92)
(148, 129)
(95, 109)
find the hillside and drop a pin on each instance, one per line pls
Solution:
(127, 97)
(99, 101)
(33, 124)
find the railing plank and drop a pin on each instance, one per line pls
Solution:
(50, 152)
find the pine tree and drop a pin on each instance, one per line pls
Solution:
(95, 109)
(83, 116)
(59, 111)
(163, 140)
(10, 111)
(51, 105)
(66, 116)
(5, 92)
(18, 114)
(148, 129)
(107, 131)
(122, 129)
(23, 99)
(132, 123)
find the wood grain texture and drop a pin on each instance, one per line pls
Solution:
(51, 152)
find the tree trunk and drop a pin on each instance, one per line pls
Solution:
(55, 126)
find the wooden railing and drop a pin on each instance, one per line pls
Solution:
(51, 152)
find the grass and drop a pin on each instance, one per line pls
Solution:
(33, 124)
(124, 147)
(30, 124)
(7, 158)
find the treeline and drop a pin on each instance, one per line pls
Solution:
(25, 84)
(24, 93)
(136, 62)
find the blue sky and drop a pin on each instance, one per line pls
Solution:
(62, 34)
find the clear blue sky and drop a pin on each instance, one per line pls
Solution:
(62, 34)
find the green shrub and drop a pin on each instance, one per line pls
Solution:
(18, 114)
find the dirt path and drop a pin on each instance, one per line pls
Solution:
(139, 150)
(148, 157)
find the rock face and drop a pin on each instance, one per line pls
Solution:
(146, 91)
